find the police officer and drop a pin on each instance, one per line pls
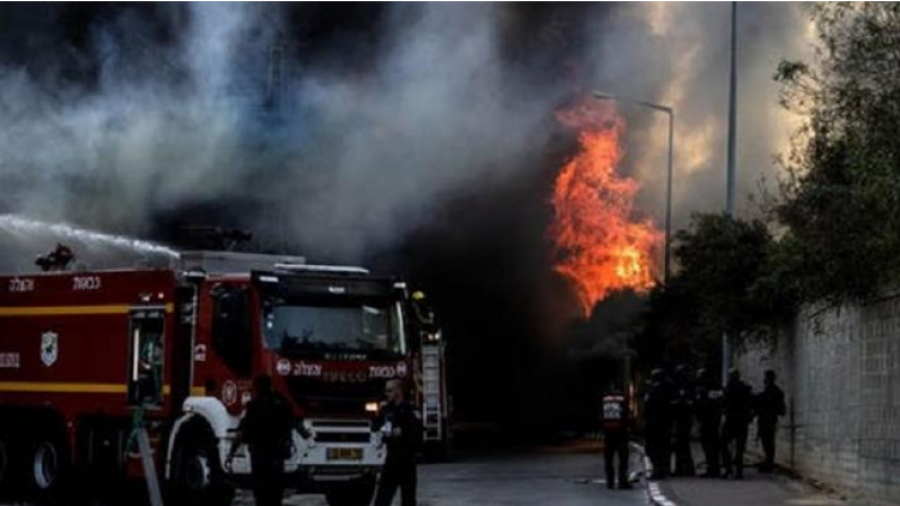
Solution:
(659, 426)
(738, 407)
(266, 428)
(401, 428)
(683, 418)
(769, 406)
(708, 409)
(616, 420)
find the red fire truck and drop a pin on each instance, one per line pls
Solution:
(86, 357)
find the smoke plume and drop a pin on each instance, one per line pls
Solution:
(418, 138)
(147, 111)
(678, 54)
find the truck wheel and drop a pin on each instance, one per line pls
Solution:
(355, 493)
(46, 465)
(198, 477)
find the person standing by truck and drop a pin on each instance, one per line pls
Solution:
(401, 428)
(266, 428)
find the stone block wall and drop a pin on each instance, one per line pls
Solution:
(840, 370)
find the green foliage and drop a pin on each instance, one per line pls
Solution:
(841, 204)
(727, 283)
(726, 264)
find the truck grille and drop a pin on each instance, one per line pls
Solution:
(317, 397)
(343, 437)
(344, 424)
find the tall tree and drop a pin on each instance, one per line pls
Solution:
(727, 282)
(841, 202)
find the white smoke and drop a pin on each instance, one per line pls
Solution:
(163, 127)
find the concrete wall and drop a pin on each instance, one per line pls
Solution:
(840, 370)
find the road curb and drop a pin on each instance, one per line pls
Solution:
(655, 495)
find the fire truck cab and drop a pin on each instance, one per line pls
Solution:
(88, 357)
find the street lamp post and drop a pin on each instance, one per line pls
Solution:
(729, 176)
(671, 112)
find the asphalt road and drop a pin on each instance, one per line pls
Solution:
(569, 476)
(530, 478)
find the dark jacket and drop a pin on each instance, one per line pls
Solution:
(267, 426)
(738, 403)
(682, 408)
(657, 407)
(708, 406)
(405, 417)
(770, 405)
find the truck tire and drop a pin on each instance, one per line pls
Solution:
(197, 478)
(355, 493)
(46, 465)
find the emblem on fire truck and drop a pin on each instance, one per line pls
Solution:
(284, 366)
(229, 393)
(49, 348)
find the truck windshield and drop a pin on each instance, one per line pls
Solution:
(353, 328)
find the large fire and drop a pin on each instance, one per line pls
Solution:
(599, 245)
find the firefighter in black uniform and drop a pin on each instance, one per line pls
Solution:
(659, 425)
(769, 406)
(401, 428)
(616, 420)
(738, 407)
(708, 408)
(683, 418)
(266, 428)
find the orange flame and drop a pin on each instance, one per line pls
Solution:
(599, 246)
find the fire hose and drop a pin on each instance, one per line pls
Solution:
(139, 432)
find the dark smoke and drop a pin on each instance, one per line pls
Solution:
(416, 138)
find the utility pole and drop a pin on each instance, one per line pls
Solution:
(732, 115)
(273, 105)
(667, 262)
(729, 180)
